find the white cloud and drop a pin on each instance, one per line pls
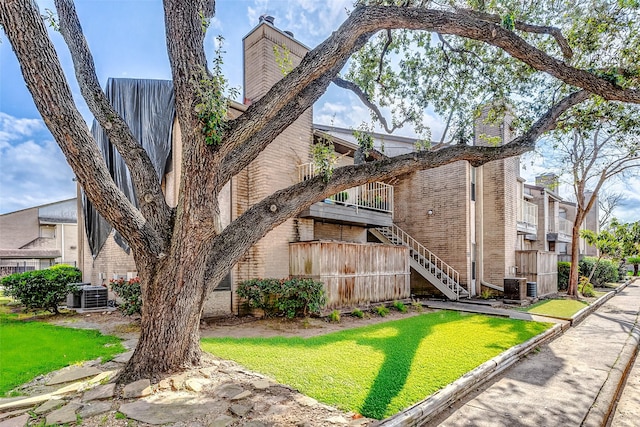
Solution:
(34, 170)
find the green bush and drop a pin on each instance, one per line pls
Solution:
(563, 275)
(399, 305)
(606, 271)
(585, 287)
(43, 289)
(381, 310)
(284, 297)
(357, 313)
(334, 316)
(130, 293)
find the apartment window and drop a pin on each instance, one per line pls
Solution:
(473, 184)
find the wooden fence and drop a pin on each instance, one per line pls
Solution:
(540, 267)
(353, 273)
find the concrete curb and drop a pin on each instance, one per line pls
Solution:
(582, 314)
(609, 393)
(428, 408)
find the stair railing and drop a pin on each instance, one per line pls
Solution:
(451, 274)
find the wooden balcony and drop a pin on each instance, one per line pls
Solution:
(369, 204)
(562, 233)
(527, 221)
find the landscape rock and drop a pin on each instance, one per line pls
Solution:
(164, 384)
(255, 424)
(195, 384)
(163, 413)
(11, 414)
(66, 414)
(208, 372)
(277, 410)
(261, 384)
(240, 410)
(106, 375)
(124, 357)
(242, 395)
(337, 420)
(49, 406)
(19, 421)
(94, 408)
(140, 388)
(178, 381)
(228, 390)
(100, 392)
(306, 400)
(25, 402)
(73, 374)
(222, 421)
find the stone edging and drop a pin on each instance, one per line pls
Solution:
(582, 314)
(433, 405)
(606, 401)
(428, 408)
(607, 398)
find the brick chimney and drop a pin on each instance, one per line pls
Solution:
(261, 69)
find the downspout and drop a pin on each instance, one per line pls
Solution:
(479, 229)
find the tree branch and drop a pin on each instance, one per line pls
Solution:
(345, 84)
(145, 180)
(554, 32)
(253, 131)
(382, 55)
(45, 79)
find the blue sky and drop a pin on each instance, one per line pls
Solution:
(127, 40)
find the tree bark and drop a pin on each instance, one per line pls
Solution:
(572, 289)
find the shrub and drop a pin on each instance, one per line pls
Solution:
(486, 293)
(417, 306)
(357, 313)
(635, 261)
(563, 275)
(284, 297)
(585, 287)
(43, 289)
(334, 316)
(381, 310)
(606, 271)
(130, 293)
(399, 305)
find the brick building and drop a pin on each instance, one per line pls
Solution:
(449, 230)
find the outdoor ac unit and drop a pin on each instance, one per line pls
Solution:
(88, 297)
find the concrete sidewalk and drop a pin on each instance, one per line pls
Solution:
(571, 381)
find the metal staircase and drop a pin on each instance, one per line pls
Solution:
(428, 265)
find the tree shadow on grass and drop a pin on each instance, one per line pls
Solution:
(398, 343)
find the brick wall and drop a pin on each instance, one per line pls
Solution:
(446, 191)
(345, 233)
(277, 166)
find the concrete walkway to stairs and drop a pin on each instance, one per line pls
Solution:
(571, 381)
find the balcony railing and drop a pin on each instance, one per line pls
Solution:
(565, 226)
(528, 214)
(376, 196)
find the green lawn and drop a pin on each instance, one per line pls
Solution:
(380, 369)
(30, 349)
(564, 308)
